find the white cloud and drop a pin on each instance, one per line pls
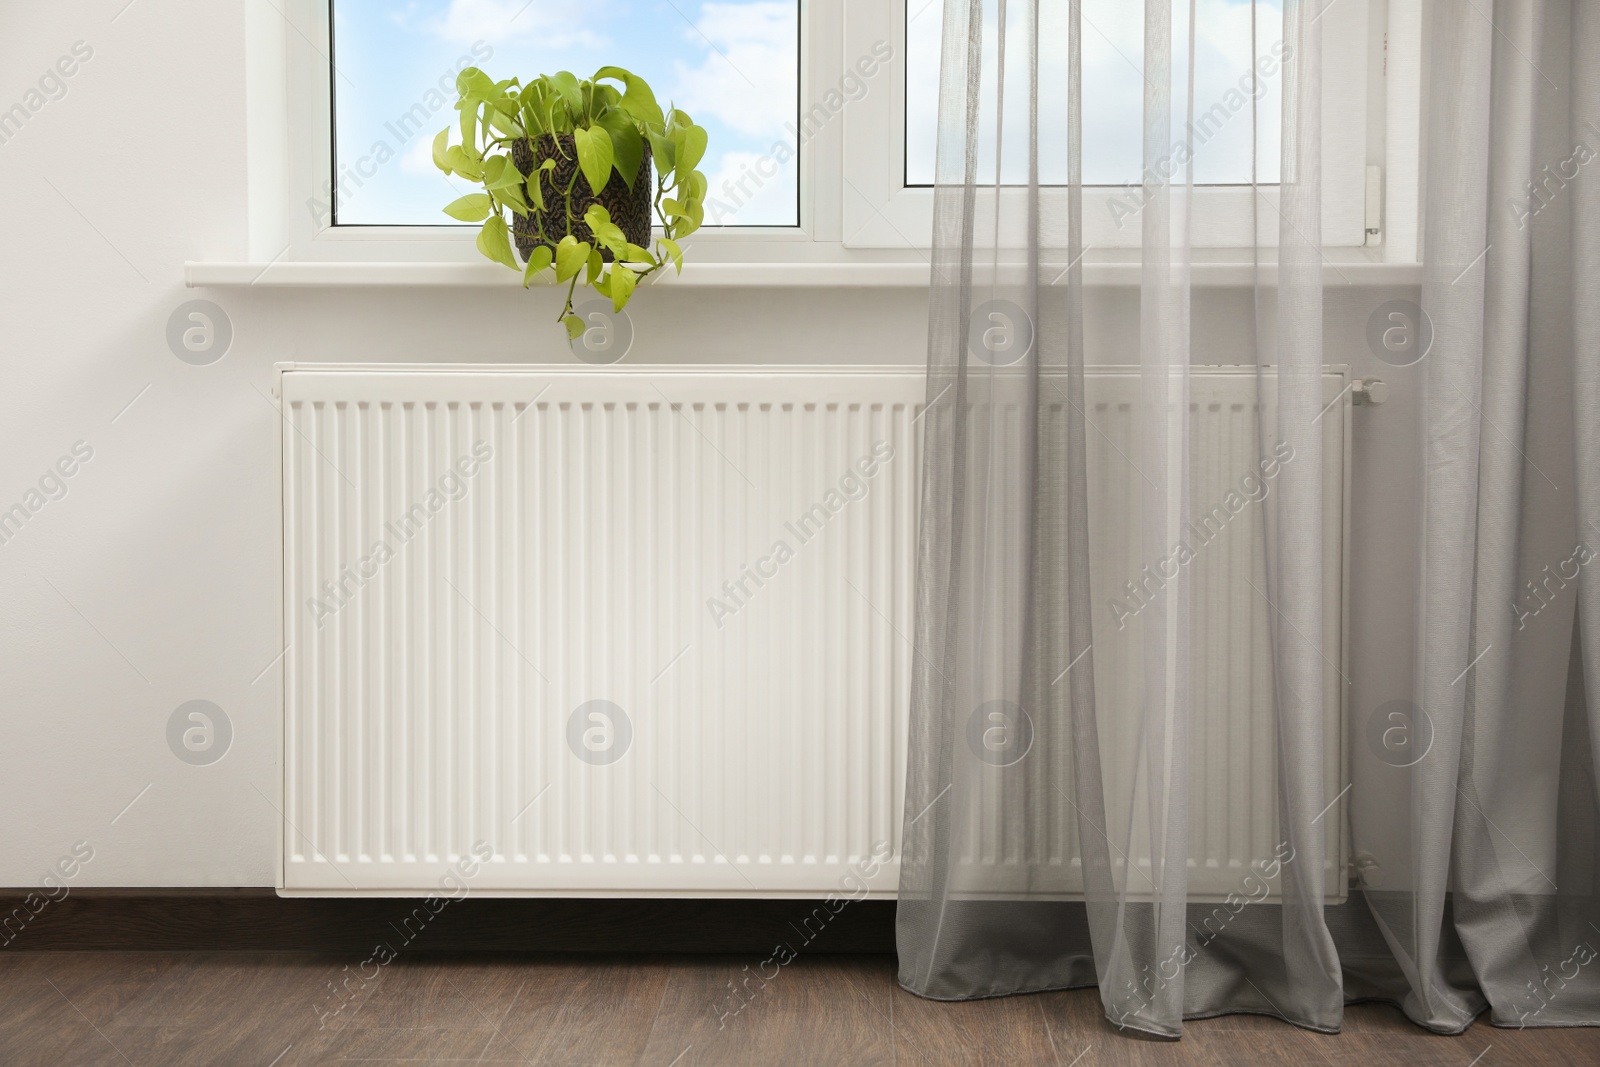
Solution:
(555, 23)
(748, 78)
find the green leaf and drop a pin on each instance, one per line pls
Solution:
(441, 144)
(494, 241)
(574, 326)
(606, 232)
(674, 251)
(594, 156)
(690, 143)
(469, 128)
(611, 236)
(472, 80)
(463, 164)
(661, 150)
(499, 172)
(535, 187)
(596, 265)
(540, 259)
(571, 255)
(689, 221)
(638, 100)
(511, 196)
(536, 104)
(623, 281)
(566, 83)
(474, 207)
(504, 122)
(626, 144)
(635, 254)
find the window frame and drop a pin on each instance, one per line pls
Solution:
(308, 39)
(882, 209)
(855, 209)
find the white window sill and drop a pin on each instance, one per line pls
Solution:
(1342, 267)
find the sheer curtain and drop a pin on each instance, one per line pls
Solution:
(1318, 747)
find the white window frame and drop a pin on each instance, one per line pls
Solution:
(880, 210)
(859, 224)
(310, 159)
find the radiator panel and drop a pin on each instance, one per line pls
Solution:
(429, 708)
(444, 629)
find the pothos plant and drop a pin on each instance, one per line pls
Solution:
(569, 161)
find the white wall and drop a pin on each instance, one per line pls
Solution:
(154, 580)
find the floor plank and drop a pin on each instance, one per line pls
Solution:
(1083, 1035)
(50, 1000)
(739, 1012)
(1003, 1030)
(223, 1007)
(369, 1046)
(582, 1012)
(260, 1009)
(420, 992)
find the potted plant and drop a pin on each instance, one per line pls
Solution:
(571, 161)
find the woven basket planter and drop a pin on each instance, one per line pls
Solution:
(629, 208)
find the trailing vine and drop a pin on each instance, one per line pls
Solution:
(518, 140)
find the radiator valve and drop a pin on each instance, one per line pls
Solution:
(1369, 391)
(1365, 871)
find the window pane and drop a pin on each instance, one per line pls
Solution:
(732, 65)
(1113, 91)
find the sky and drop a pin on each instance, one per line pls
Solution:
(733, 66)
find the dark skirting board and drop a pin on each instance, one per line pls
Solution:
(259, 919)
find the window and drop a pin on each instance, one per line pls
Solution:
(887, 199)
(822, 122)
(1228, 130)
(731, 64)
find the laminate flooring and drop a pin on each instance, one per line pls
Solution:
(287, 1009)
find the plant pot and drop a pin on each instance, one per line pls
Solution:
(629, 208)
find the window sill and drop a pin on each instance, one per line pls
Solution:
(1357, 271)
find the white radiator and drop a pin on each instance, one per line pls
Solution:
(645, 630)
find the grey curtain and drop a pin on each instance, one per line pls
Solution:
(1309, 750)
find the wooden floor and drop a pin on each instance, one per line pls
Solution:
(284, 1010)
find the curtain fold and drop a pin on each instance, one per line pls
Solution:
(1147, 752)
